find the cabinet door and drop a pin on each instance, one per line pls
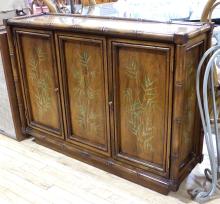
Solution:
(38, 73)
(142, 78)
(84, 70)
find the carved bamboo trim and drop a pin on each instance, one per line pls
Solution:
(17, 84)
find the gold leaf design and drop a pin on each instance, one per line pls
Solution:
(84, 76)
(41, 79)
(131, 70)
(139, 108)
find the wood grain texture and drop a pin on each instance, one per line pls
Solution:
(142, 81)
(189, 111)
(170, 32)
(84, 68)
(40, 83)
(7, 67)
(127, 106)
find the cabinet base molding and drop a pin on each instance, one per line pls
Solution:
(156, 183)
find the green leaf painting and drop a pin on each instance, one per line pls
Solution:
(139, 105)
(41, 78)
(84, 75)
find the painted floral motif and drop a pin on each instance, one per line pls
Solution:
(41, 78)
(85, 94)
(139, 105)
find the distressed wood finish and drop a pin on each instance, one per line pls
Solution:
(142, 76)
(84, 70)
(126, 101)
(126, 28)
(10, 85)
(192, 56)
(39, 81)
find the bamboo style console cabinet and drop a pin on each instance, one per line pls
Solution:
(118, 94)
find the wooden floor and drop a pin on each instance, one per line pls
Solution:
(30, 173)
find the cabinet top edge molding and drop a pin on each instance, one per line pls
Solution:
(179, 32)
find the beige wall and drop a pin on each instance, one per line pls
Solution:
(11, 4)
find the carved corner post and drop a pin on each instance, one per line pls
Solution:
(178, 104)
(10, 85)
(13, 84)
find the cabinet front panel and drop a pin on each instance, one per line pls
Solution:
(85, 84)
(38, 74)
(142, 77)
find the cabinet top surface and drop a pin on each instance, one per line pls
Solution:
(111, 25)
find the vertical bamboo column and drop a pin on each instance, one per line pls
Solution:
(14, 63)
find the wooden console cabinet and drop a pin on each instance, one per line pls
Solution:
(118, 94)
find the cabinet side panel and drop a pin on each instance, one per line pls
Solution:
(191, 129)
